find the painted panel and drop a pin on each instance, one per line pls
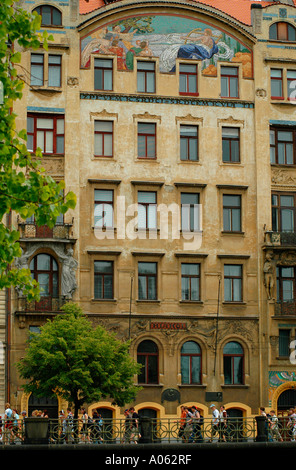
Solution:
(168, 38)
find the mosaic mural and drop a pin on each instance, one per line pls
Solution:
(279, 378)
(168, 38)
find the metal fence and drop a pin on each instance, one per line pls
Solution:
(118, 431)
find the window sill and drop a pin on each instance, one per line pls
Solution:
(148, 301)
(46, 89)
(228, 303)
(225, 232)
(192, 385)
(191, 302)
(149, 385)
(104, 300)
(235, 386)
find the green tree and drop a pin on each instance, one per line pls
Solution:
(25, 188)
(80, 363)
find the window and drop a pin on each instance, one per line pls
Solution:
(145, 77)
(229, 82)
(147, 278)
(282, 146)
(46, 132)
(190, 281)
(282, 32)
(285, 279)
(190, 363)
(51, 16)
(231, 213)
(146, 140)
(104, 207)
(230, 144)
(284, 342)
(147, 210)
(147, 356)
(233, 361)
(276, 83)
(190, 212)
(37, 69)
(103, 282)
(44, 269)
(189, 143)
(103, 70)
(103, 146)
(291, 84)
(188, 79)
(233, 282)
(54, 70)
(283, 212)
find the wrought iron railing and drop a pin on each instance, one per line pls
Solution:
(285, 307)
(31, 230)
(168, 431)
(45, 304)
(280, 238)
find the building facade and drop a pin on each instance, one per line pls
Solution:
(174, 123)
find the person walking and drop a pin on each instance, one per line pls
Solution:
(222, 424)
(274, 426)
(215, 421)
(135, 434)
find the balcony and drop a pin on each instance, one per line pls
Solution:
(285, 308)
(45, 304)
(31, 231)
(280, 239)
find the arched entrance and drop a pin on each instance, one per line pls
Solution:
(286, 401)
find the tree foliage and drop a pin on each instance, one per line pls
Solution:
(25, 188)
(80, 363)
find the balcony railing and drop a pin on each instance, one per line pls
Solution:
(45, 304)
(31, 231)
(117, 431)
(285, 308)
(280, 238)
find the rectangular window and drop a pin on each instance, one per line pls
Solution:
(291, 84)
(146, 140)
(188, 79)
(283, 212)
(276, 83)
(189, 143)
(282, 146)
(284, 342)
(103, 146)
(45, 132)
(147, 278)
(190, 274)
(190, 212)
(230, 144)
(103, 71)
(231, 213)
(103, 282)
(229, 82)
(285, 279)
(54, 70)
(37, 69)
(146, 77)
(104, 206)
(147, 210)
(233, 283)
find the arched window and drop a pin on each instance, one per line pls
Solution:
(233, 358)
(147, 356)
(191, 363)
(282, 31)
(50, 15)
(44, 270)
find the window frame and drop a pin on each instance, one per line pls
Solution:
(55, 117)
(191, 356)
(227, 76)
(279, 283)
(147, 206)
(229, 140)
(102, 275)
(52, 9)
(145, 136)
(230, 209)
(45, 303)
(276, 26)
(191, 219)
(147, 277)
(104, 70)
(35, 64)
(232, 356)
(187, 140)
(103, 202)
(143, 74)
(278, 208)
(274, 80)
(56, 66)
(187, 75)
(147, 366)
(103, 134)
(190, 277)
(289, 80)
(232, 278)
(276, 130)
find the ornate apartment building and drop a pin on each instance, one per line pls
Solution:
(174, 123)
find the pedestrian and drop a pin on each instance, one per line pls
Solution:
(16, 424)
(188, 425)
(215, 421)
(195, 436)
(222, 424)
(127, 426)
(135, 434)
(8, 417)
(263, 413)
(84, 429)
(69, 425)
(182, 422)
(274, 426)
(292, 424)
